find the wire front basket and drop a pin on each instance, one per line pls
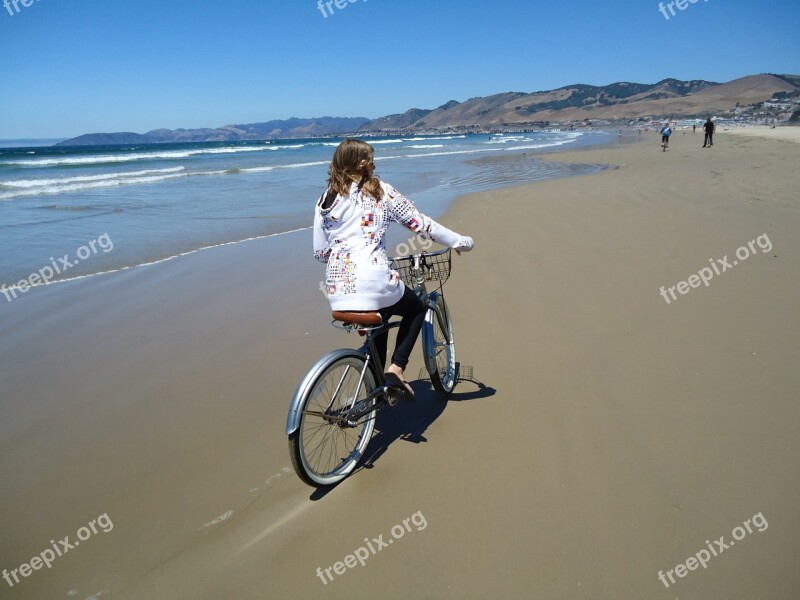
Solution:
(434, 267)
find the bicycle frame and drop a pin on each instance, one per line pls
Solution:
(368, 352)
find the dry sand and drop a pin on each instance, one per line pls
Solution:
(612, 434)
(787, 134)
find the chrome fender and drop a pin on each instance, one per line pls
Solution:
(428, 340)
(295, 409)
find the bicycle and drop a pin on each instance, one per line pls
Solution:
(333, 412)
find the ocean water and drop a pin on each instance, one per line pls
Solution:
(81, 211)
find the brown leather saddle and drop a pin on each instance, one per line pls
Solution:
(365, 318)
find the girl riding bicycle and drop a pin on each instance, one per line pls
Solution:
(350, 223)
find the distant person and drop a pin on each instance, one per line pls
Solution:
(709, 129)
(666, 131)
(694, 128)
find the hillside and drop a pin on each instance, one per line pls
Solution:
(276, 129)
(622, 100)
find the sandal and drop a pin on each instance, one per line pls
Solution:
(407, 392)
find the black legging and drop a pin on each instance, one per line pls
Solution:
(412, 311)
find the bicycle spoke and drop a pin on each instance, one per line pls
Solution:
(327, 442)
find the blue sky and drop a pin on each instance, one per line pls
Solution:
(69, 67)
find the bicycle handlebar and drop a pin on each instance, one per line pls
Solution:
(416, 268)
(421, 254)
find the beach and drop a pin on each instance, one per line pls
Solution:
(787, 134)
(610, 432)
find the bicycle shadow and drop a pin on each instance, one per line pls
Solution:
(408, 422)
(465, 376)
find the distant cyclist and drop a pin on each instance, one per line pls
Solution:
(666, 131)
(350, 223)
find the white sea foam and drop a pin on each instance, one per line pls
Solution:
(35, 187)
(505, 139)
(441, 137)
(266, 168)
(400, 140)
(14, 188)
(32, 183)
(118, 158)
(78, 184)
(543, 144)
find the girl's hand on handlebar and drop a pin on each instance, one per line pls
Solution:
(464, 244)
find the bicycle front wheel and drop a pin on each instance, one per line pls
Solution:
(326, 446)
(440, 346)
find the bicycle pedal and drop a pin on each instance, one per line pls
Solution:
(397, 389)
(396, 394)
(392, 394)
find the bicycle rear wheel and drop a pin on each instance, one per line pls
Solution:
(440, 347)
(325, 448)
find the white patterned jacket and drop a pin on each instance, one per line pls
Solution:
(350, 237)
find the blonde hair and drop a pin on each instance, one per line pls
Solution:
(350, 164)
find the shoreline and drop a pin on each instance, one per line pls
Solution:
(159, 396)
(14, 289)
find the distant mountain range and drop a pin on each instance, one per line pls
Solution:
(615, 102)
(276, 129)
(573, 103)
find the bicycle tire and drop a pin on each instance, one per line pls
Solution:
(333, 440)
(439, 346)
